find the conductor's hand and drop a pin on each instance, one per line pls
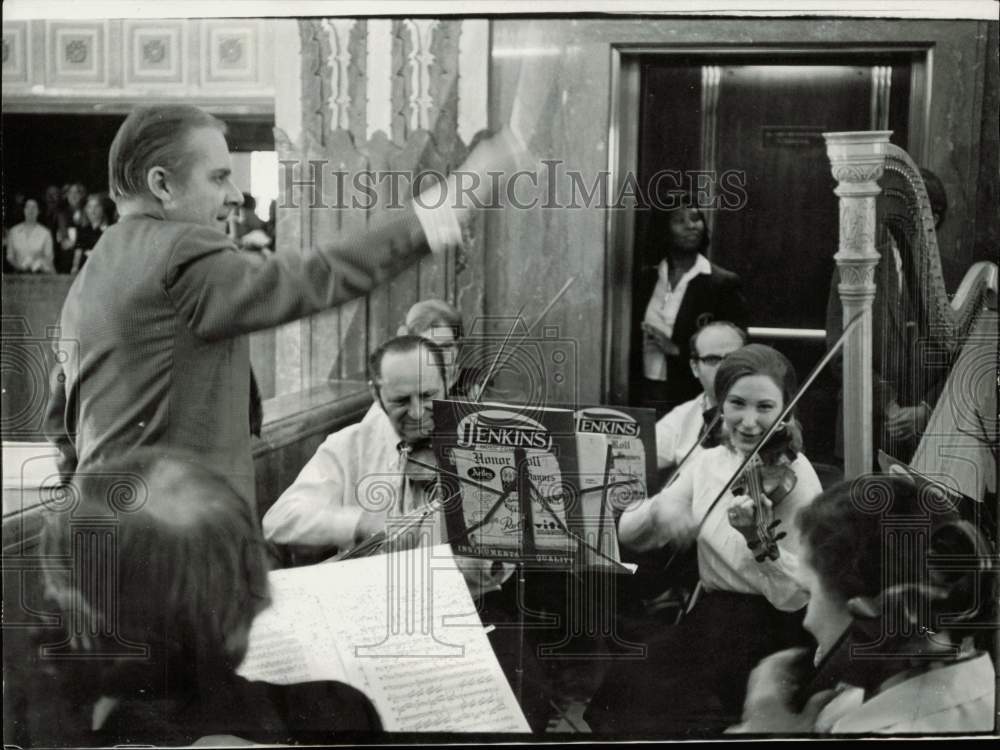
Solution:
(501, 153)
(770, 691)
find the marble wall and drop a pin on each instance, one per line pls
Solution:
(531, 252)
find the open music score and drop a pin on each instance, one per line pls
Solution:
(400, 627)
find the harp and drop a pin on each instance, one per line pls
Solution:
(915, 346)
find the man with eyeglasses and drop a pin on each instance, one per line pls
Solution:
(687, 425)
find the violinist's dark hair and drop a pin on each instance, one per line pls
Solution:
(189, 559)
(400, 345)
(863, 537)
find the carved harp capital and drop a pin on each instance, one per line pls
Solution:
(857, 160)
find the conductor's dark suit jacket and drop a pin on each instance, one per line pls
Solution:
(153, 344)
(708, 297)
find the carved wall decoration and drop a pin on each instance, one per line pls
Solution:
(76, 53)
(339, 35)
(420, 59)
(154, 52)
(229, 52)
(16, 57)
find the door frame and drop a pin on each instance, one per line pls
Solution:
(623, 152)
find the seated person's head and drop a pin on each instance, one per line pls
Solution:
(442, 323)
(405, 375)
(867, 553)
(753, 385)
(188, 568)
(710, 344)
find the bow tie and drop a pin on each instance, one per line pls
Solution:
(711, 437)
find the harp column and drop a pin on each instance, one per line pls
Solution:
(857, 160)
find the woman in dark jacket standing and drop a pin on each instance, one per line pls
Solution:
(673, 299)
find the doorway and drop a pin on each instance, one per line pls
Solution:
(744, 130)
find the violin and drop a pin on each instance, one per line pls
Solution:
(419, 467)
(767, 479)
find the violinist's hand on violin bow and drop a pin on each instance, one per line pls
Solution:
(770, 691)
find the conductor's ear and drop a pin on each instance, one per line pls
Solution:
(156, 181)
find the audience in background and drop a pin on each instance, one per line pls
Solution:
(29, 244)
(73, 220)
(247, 228)
(99, 212)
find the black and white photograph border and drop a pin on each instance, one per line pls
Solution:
(537, 149)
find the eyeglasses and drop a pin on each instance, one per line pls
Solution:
(711, 360)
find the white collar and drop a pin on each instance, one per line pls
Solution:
(701, 266)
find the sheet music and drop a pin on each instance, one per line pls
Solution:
(400, 627)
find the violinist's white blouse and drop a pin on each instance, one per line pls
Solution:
(725, 563)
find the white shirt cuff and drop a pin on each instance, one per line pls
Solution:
(437, 217)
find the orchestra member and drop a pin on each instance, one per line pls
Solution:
(874, 588)
(682, 293)
(29, 244)
(155, 330)
(679, 431)
(442, 323)
(146, 648)
(693, 677)
(337, 499)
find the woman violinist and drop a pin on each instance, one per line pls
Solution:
(692, 681)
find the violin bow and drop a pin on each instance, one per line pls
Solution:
(503, 344)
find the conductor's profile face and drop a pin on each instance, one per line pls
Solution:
(409, 384)
(206, 194)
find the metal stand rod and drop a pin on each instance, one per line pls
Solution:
(519, 673)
